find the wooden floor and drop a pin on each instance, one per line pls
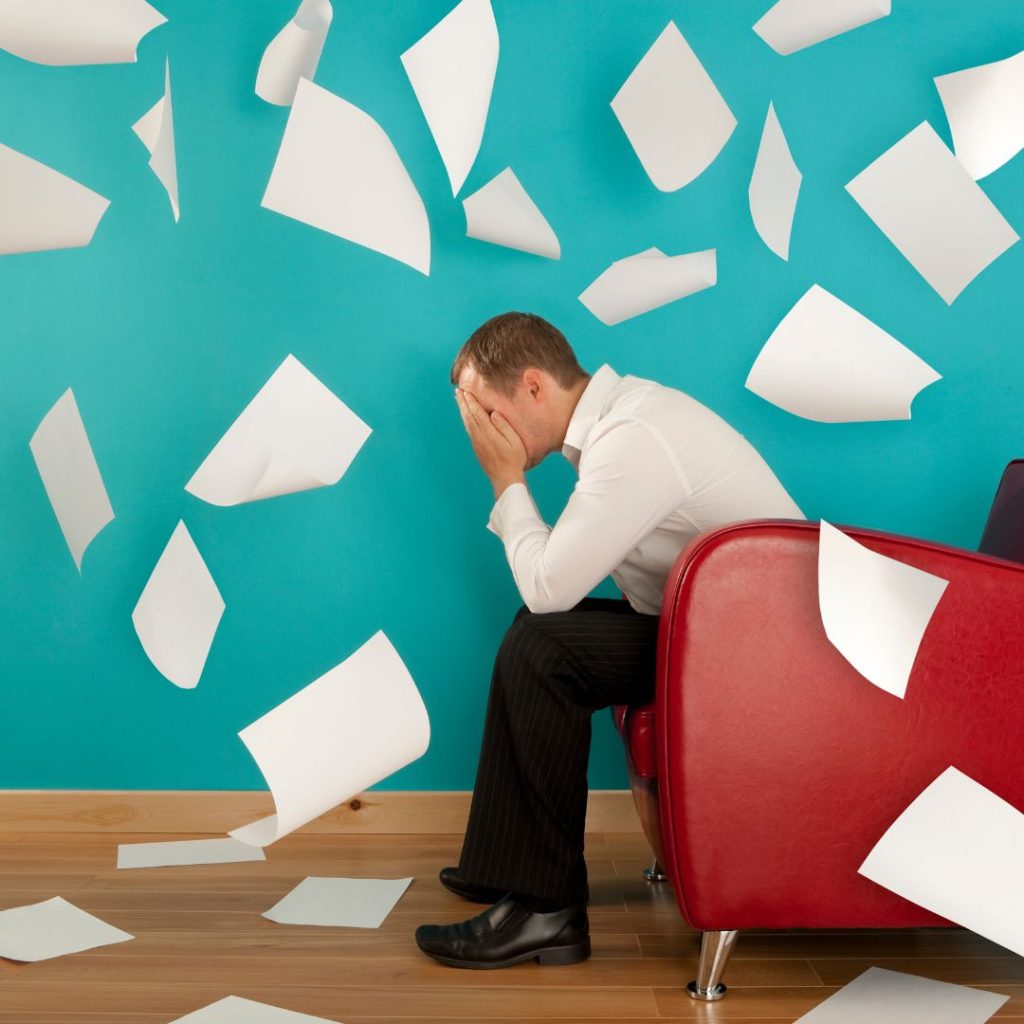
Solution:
(200, 937)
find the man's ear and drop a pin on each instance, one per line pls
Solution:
(533, 382)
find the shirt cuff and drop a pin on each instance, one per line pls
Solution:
(514, 505)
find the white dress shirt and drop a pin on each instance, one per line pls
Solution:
(655, 469)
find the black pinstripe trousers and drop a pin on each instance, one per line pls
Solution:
(552, 671)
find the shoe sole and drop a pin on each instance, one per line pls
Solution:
(551, 957)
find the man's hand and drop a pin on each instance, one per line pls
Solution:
(497, 446)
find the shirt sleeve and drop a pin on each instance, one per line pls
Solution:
(629, 483)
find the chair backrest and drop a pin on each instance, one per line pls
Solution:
(1003, 535)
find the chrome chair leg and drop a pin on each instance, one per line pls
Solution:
(715, 948)
(655, 872)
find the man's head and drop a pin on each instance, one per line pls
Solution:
(522, 366)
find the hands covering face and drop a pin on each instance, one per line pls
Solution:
(498, 448)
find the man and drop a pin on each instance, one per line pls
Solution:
(655, 468)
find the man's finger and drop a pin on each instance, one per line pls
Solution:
(506, 430)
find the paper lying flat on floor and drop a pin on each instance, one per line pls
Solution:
(340, 902)
(875, 609)
(774, 187)
(337, 170)
(879, 996)
(827, 362)
(452, 71)
(70, 475)
(957, 851)
(985, 110)
(186, 852)
(41, 931)
(295, 434)
(354, 726)
(178, 612)
(791, 25)
(156, 130)
(40, 208)
(294, 52)
(930, 208)
(76, 31)
(671, 112)
(235, 1010)
(648, 279)
(503, 213)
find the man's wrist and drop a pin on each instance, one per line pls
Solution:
(502, 483)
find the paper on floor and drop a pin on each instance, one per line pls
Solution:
(186, 852)
(294, 435)
(827, 362)
(41, 931)
(672, 113)
(452, 71)
(235, 1010)
(156, 130)
(503, 213)
(75, 31)
(985, 110)
(646, 280)
(337, 170)
(177, 615)
(957, 851)
(875, 609)
(340, 902)
(930, 208)
(774, 187)
(70, 475)
(346, 731)
(40, 208)
(791, 25)
(294, 52)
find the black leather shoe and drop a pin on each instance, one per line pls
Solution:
(467, 890)
(508, 933)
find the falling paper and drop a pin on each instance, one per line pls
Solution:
(791, 25)
(827, 362)
(874, 609)
(179, 611)
(340, 902)
(70, 475)
(957, 851)
(347, 730)
(642, 282)
(336, 170)
(235, 1010)
(985, 110)
(672, 113)
(294, 52)
(294, 435)
(774, 187)
(879, 996)
(929, 207)
(452, 72)
(186, 852)
(74, 31)
(502, 212)
(156, 130)
(41, 931)
(40, 208)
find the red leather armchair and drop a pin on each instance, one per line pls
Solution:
(767, 767)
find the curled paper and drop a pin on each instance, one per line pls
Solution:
(294, 52)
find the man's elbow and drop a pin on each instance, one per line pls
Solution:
(543, 600)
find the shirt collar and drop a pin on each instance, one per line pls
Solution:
(588, 409)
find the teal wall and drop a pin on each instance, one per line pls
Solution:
(165, 332)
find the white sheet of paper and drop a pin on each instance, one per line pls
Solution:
(672, 113)
(646, 280)
(875, 609)
(186, 852)
(70, 475)
(792, 25)
(774, 187)
(156, 130)
(178, 612)
(452, 71)
(346, 731)
(41, 931)
(957, 851)
(294, 52)
(40, 208)
(62, 32)
(829, 363)
(930, 208)
(294, 435)
(235, 1010)
(339, 902)
(985, 109)
(879, 996)
(503, 213)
